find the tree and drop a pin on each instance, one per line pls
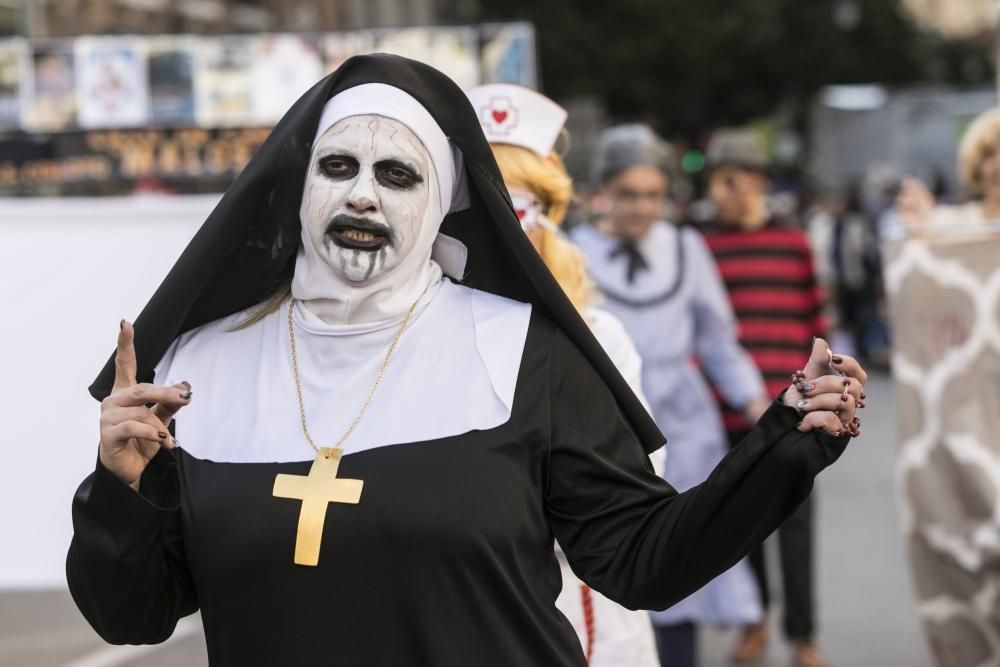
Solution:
(685, 65)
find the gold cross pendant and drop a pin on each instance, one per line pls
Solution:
(316, 491)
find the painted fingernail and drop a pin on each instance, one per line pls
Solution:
(843, 398)
(186, 384)
(861, 404)
(186, 394)
(803, 404)
(838, 360)
(121, 325)
(808, 386)
(863, 396)
(847, 383)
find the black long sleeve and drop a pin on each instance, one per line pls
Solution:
(446, 526)
(126, 567)
(631, 536)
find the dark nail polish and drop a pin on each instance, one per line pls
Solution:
(186, 394)
(843, 398)
(838, 360)
(121, 325)
(863, 396)
(861, 404)
(847, 383)
(186, 384)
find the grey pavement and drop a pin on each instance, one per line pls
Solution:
(864, 597)
(866, 616)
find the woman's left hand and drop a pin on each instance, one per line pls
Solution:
(829, 392)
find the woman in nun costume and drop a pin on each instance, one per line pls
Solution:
(523, 127)
(387, 410)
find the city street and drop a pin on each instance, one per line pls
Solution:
(865, 603)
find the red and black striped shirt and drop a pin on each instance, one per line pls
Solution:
(776, 299)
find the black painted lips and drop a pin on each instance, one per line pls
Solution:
(342, 224)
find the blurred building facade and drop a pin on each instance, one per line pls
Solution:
(965, 18)
(912, 131)
(61, 18)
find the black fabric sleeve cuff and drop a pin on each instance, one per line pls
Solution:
(784, 417)
(830, 446)
(119, 505)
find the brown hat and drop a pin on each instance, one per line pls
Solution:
(737, 148)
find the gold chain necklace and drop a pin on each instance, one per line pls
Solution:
(378, 379)
(322, 486)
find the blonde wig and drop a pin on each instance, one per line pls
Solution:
(546, 179)
(980, 139)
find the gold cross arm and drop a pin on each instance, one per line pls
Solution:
(316, 490)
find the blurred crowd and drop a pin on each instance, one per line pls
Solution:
(724, 280)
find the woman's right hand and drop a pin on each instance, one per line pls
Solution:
(132, 432)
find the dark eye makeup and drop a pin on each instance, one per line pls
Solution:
(397, 175)
(389, 173)
(338, 167)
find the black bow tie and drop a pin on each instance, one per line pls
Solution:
(636, 262)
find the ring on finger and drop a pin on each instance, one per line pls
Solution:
(801, 385)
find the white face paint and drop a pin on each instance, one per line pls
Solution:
(366, 196)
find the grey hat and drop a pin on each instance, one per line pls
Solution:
(742, 148)
(623, 146)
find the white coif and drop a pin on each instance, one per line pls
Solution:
(454, 371)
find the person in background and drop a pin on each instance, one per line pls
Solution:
(942, 276)
(856, 265)
(979, 172)
(768, 272)
(523, 127)
(661, 281)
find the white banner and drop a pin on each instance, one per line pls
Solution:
(72, 268)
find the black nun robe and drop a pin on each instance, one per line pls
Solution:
(448, 560)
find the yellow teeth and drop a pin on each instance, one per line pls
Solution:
(363, 237)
